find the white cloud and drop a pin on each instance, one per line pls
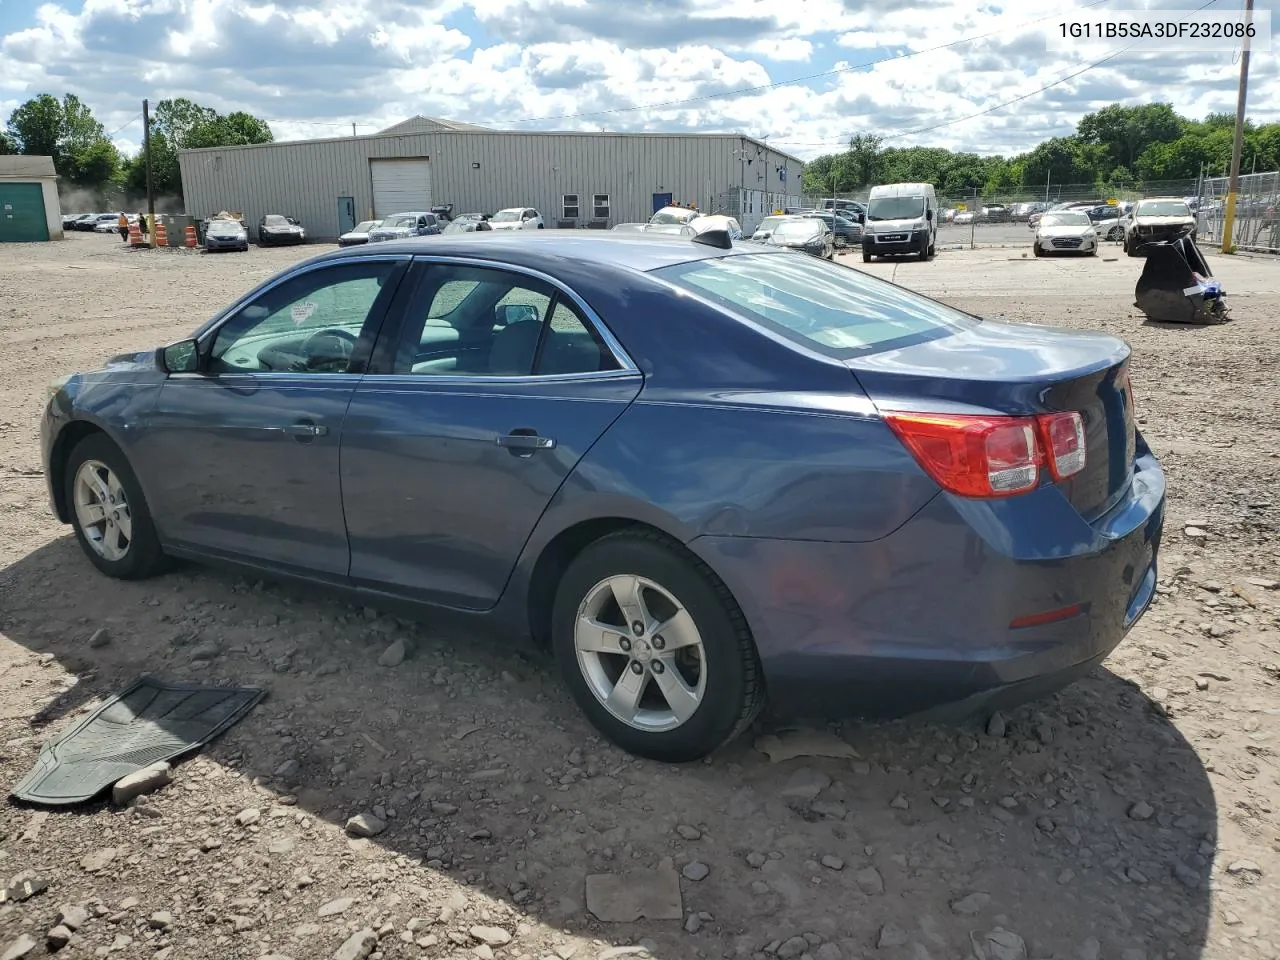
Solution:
(313, 67)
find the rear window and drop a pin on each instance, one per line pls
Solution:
(834, 309)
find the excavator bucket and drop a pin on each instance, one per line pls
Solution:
(1177, 285)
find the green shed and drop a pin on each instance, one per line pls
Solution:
(29, 208)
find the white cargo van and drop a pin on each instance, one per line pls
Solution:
(902, 218)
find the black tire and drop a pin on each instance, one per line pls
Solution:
(1130, 249)
(143, 557)
(866, 257)
(1038, 251)
(734, 692)
(924, 248)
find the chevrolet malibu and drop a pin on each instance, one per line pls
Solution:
(702, 474)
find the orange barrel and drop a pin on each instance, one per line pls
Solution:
(135, 236)
(190, 234)
(161, 234)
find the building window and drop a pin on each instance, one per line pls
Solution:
(570, 206)
(600, 206)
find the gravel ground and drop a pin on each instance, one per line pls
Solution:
(1131, 817)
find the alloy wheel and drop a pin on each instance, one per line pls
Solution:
(102, 510)
(640, 653)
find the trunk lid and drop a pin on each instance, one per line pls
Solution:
(1022, 370)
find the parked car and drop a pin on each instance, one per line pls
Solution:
(517, 218)
(1107, 220)
(669, 216)
(902, 218)
(1155, 219)
(70, 218)
(465, 225)
(965, 216)
(849, 208)
(415, 223)
(847, 233)
(682, 558)
(357, 235)
(100, 223)
(276, 230)
(1065, 231)
(87, 221)
(225, 235)
(443, 212)
(805, 235)
(473, 216)
(995, 213)
(764, 229)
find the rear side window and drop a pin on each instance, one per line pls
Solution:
(826, 307)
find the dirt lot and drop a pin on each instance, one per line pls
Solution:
(1132, 817)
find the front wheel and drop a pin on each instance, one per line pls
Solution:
(866, 255)
(109, 512)
(654, 648)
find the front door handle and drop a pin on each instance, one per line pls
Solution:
(305, 430)
(525, 441)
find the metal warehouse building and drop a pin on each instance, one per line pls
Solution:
(573, 179)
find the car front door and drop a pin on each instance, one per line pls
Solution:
(241, 453)
(470, 419)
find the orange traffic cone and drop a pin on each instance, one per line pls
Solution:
(190, 234)
(161, 234)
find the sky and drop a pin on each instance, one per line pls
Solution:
(814, 72)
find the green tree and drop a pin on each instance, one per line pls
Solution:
(182, 124)
(863, 158)
(1125, 132)
(7, 146)
(67, 131)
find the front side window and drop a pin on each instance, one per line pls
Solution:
(819, 305)
(487, 322)
(308, 324)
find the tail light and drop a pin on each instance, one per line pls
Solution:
(988, 457)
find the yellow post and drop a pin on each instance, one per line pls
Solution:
(1229, 222)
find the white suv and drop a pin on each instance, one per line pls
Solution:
(517, 218)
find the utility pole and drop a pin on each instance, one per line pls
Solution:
(353, 130)
(151, 195)
(1233, 186)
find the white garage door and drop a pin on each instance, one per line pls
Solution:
(400, 186)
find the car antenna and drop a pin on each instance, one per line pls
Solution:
(715, 238)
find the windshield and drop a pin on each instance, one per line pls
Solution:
(673, 216)
(1163, 208)
(224, 226)
(798, 230)
(399, 222)
(1065, 219)
(506, 216)
(896, 208)
(460, 226)
(275, 220)
(364, 226)
(817, 304)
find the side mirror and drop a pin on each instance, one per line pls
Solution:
(928, 214)
(180, 357)
(507, 314)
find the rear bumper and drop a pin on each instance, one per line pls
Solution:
(921, 621)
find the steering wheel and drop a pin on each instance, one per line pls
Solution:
(328, 346)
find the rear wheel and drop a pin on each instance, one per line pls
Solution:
(109, 512)
(654, 648)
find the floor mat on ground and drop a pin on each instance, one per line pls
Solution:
(148, 722)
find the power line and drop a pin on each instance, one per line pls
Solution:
(989, 110)
(112, 134)
(813, 76)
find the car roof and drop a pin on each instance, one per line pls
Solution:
(547, 250)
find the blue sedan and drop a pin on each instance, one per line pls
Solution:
(701, 473)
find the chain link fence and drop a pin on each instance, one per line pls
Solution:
(1257, 228)
(977, 198)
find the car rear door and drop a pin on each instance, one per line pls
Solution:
(242, 458)
(481, 400)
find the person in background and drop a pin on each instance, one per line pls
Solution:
(142, 223)
(123, 224)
